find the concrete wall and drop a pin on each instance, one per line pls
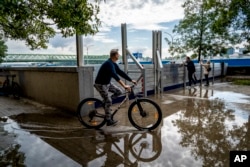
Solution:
(54, 86)
(64, 87)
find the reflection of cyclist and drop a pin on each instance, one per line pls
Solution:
(112, 158)
(108, 70)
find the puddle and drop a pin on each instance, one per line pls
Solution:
(195, 131)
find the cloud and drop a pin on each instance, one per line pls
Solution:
(58, 41)
(141, 17)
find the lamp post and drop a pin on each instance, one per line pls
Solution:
(172, 38)
(87, 48)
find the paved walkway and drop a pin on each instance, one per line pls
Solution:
(10, 106)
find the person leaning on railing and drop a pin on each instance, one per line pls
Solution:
(206, 69)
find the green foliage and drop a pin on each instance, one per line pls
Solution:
(12, 156)
(193, 56)
(3, 49)
(206, 28)
(233, 19)
(242, 82)
(37, 21)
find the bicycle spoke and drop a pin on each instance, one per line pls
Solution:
(91, 113)
(145, 121)
(145, 114)
(145, 147)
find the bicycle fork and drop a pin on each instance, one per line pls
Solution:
(142, 112)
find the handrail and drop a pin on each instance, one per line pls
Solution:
(135, 60)
(141, 70)
(159, 62)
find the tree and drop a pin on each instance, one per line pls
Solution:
(233, 18)
(195, 30)
(3, 47)
(36, 22)
(3, 50)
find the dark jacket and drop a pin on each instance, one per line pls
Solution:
(190, 66)
(109, 70)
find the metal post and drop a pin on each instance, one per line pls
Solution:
(159, 55)
(79, 51)
(154, 48)
(159, 42)
(157, 35)
(144, 82)
(124, 46)
(184, 76)
(213, 72)
(201, 75)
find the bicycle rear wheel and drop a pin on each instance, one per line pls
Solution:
(144, 114)
(91, 113)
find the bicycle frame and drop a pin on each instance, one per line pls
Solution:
(127, 98)
(143, 113)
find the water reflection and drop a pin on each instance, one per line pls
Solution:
(42, 145)
(205, 128)
(12, 156)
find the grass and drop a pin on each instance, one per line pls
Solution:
(242, 82)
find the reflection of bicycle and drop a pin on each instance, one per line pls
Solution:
(144, 147)
(143, 113)
(10, 87)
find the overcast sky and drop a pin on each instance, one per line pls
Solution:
(141, 17)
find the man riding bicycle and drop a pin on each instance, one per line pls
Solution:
(108, 70)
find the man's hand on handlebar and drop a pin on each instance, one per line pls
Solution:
(134, 82)
(128, 88)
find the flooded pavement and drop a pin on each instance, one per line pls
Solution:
(199, 128)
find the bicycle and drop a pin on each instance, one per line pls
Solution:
(11, 87)
(143, 113)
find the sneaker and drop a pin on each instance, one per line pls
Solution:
(111, 122)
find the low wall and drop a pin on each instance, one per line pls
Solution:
(55, 86)
(64, 87)
(242, 71)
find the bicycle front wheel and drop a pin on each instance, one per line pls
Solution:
(144, 114)
(91, 113)
(145, 147)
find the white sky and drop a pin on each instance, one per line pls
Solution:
(141, 17)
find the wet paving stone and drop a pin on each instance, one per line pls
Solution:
(199, 128)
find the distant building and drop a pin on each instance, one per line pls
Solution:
(138, 55)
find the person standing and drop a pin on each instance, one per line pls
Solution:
(108, 70)
(206, 69)
(191, 70)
